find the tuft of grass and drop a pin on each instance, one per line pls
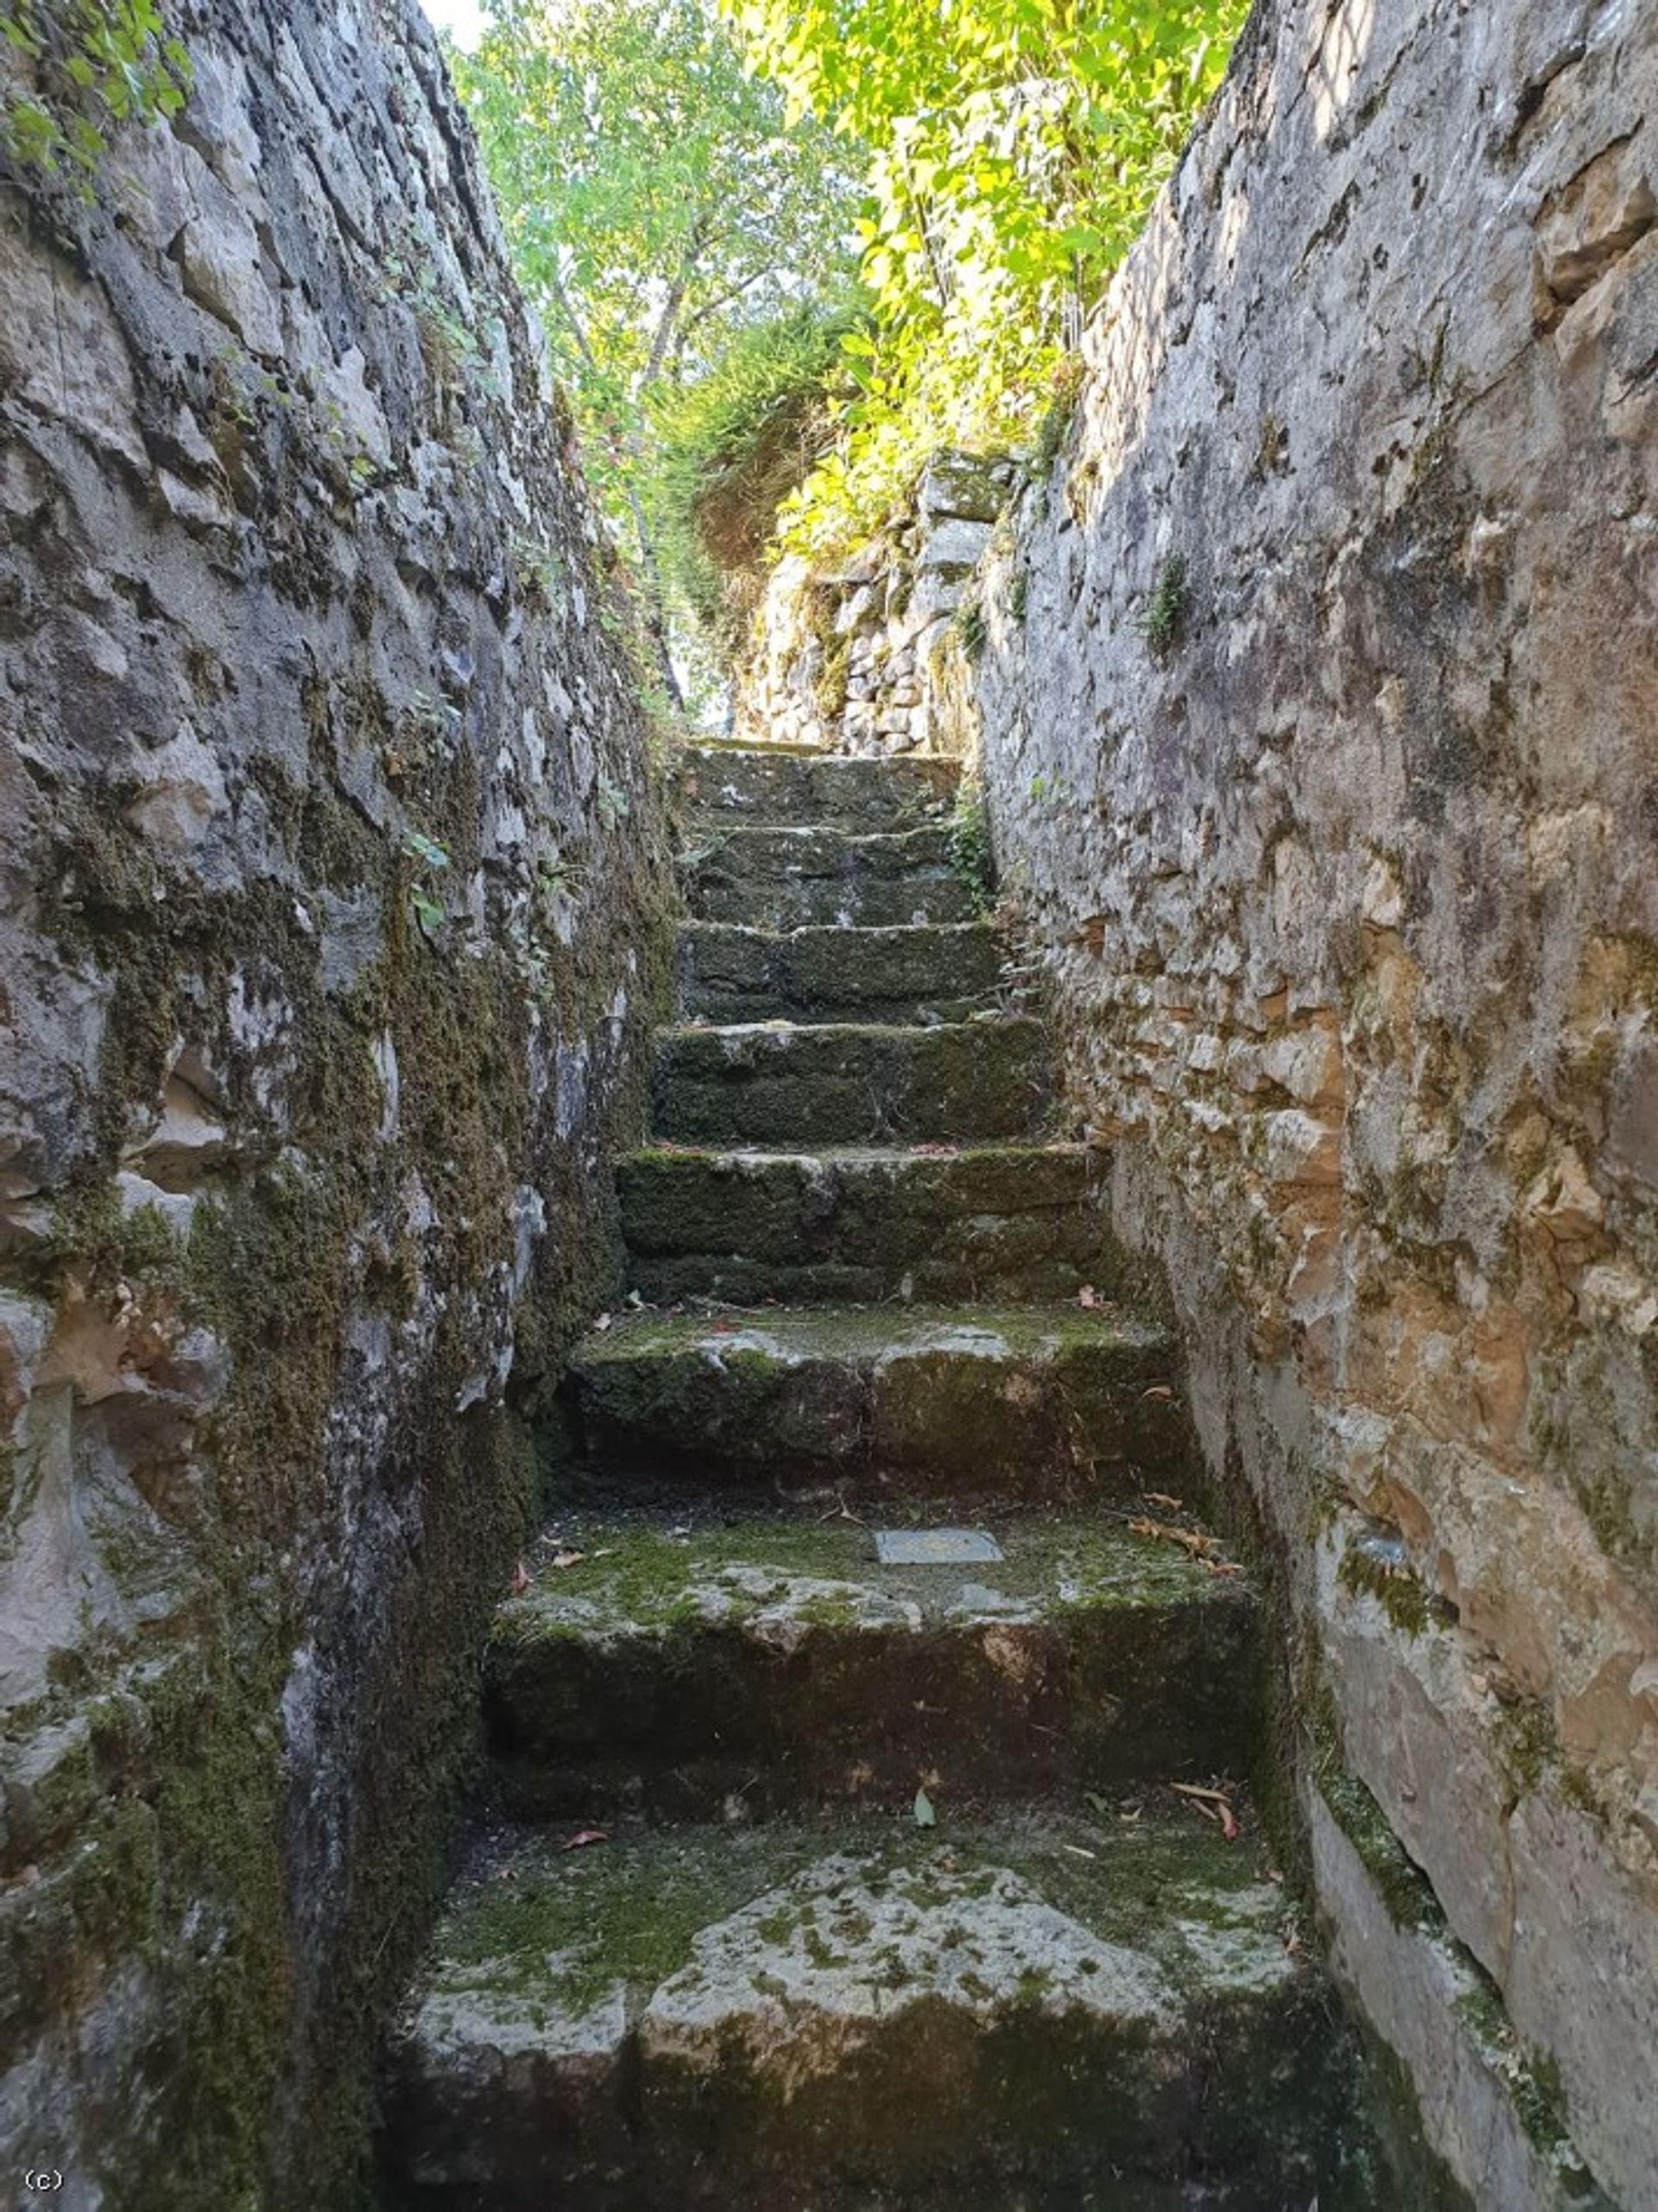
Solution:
(972, 627)
(1163, 622)
(972, 855)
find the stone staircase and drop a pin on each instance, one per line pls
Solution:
(832, 1862)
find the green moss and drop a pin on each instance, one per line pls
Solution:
(1400, 1593)
(1401, 1884)
(1051, 433)
(1528, 1741)
(829, 687)
(279, 1255)
(1533, 2079)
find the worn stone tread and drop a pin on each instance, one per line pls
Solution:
(910, 973)
(855, 1224)
(678, 1655)
(1023, 1399)
(783, 877)
(851, 1083)
(1029, 2011)
(779, 784)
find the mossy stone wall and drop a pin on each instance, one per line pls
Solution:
(330, 885)
(1317, 703)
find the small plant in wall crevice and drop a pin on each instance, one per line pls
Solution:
(971, 628)
(1162, 622)
(971, 858)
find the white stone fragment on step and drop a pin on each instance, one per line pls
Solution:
(935, 1547)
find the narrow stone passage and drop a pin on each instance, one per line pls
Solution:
(833, 1862)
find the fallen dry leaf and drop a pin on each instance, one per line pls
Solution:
(1193, 1542)
(602, 1322)
(519, 1579)
(568, 1558)
(1214, 1804)
(584, 1836)
(1162, 1498)
(1158, 1391)
(1088, 1297)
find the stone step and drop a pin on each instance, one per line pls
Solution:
(1021, 2013)
(851, 1083)
(775, 784)
(677, 1656)
(845, 1226)
(936, 972)
(790, 878)
(1025, 1400)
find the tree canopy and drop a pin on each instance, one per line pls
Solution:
(657, 201)
(687, 193)
(1015, 146)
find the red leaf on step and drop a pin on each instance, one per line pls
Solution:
(584, 1836)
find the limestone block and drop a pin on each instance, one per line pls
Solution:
(953, 547)
(220, 261)
(1584, 1984)
(1302, 1148)
(964, 485)
(1307, 1063)
(1420, 1737)
(62, 351)
(182, 795)
(1423, 1996)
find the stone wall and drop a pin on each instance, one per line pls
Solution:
(325, 877)
(863, 656)
(1320, 705)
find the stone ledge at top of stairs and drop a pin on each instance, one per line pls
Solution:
(672, 1657)
(922, 972)
(851, 1083)
(784, 878)
(1033, 2010)
(1022, 1400)
(850, 1225)
(770, 786)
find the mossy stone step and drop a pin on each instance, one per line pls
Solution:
(1023, 1400)
(937, 971)
(1002, 1222)
(769, 785)
(851, 1083)
(1028, 2012)
(786, 879)
(671, 1660)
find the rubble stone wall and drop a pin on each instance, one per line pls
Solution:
(1321, 730)
(326, 889)
(865, 657)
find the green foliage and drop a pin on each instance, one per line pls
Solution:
(733, 444)
(656, 202)
(1017, 145)
(1066, 383)
(972, 856)
(94, 64)
(1164, 617)
(972, 627)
